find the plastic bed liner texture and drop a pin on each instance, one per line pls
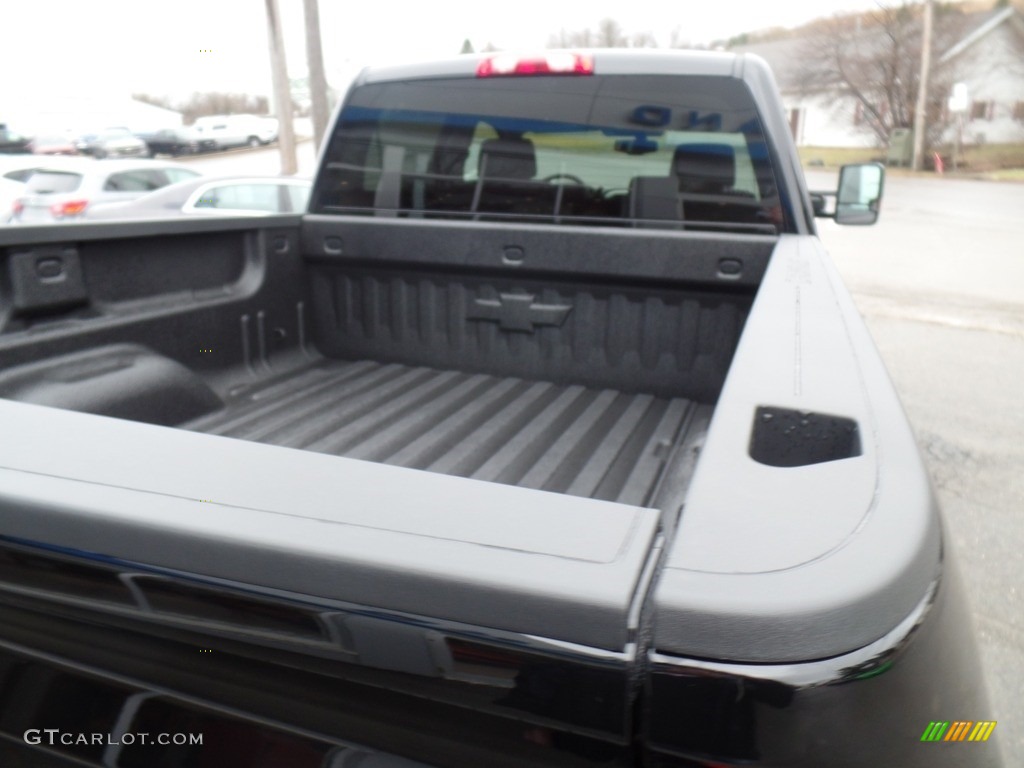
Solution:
(597, 443)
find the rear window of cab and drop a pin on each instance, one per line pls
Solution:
(682, 152)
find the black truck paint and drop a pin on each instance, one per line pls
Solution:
(431, 477)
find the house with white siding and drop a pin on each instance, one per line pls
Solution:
(985, 53)
(990, 62)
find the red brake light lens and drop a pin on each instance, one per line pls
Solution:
(70, 208)
(17, 207)
(554, 63)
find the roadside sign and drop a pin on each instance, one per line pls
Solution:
(958, 100)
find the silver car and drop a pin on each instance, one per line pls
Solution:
(227, 196)
(65, 191)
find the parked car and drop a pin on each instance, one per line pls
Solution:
(20, 167)
(112, 142)
(234, 195)
(12, 142)
(16, 170)
(9, 192)
(176, 141)
(53, 144)
(227, 131)
(65, 192)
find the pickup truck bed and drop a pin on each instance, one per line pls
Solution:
(589, 366)
(582, 441)
(548, 437)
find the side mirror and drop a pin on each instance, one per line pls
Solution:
(859, 197)
(637, 146)
(819, 203)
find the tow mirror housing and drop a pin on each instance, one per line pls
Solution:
(858, 197)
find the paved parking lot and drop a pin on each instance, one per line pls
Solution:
(253, 162)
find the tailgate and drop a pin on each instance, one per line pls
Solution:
(515, 559)
(481, 595)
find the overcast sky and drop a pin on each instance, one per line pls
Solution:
(176, 47)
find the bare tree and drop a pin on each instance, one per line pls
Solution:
(212, 103)
(609, 34)
(155, 101)
(581, 38)
(874, 59)
(643, 40)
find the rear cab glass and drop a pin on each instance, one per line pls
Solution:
(682, 152)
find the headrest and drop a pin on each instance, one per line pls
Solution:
(705, 168)
(507, 159)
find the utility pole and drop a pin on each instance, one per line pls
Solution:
(922, 89)
(317, 78)
(282, 92)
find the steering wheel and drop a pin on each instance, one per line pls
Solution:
(567, 176)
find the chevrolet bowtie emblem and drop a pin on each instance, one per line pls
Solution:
(517, 312)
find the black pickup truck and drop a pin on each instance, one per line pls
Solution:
(549, 436)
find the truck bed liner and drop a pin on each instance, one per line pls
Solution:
(597, 443)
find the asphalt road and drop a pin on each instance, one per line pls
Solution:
(253, 162)
(940, 281)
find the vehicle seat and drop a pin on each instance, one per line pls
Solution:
(707, 175)
(653, 200)
(506, 171)
(507, 159)
(705, 169)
